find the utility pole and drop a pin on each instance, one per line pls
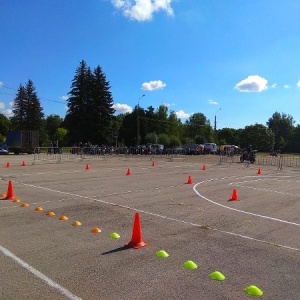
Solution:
(215, 128)
(138, 121)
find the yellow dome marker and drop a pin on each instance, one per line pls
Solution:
(63, 218)
(253, 290)
(24, 205)
(16, 200)
(76, 223)
(50, 213)
(189, 264)
(96, 230)
(38, 208)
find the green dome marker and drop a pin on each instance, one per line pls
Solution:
(189, 264)
(216, 275)
(253, 290)
(114, 235)
(161, 253)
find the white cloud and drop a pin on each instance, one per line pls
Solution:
(7, 112)
(273, 86)
(2, 105)
(298, 83)
(286, 86)
(168, 104)
(213, 102)
(153, 85)
(182, 115)
(253, 83)
(122, 108)
(1, 84)
(64, 98)
(142, 10)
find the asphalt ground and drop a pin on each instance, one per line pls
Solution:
(253, 241)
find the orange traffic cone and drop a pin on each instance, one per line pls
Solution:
(87, 167)
(153, 163)
(7, 165)
(234, 196)
(204, 167)
(136, 239)
(189, 180)
(259, 171)
(23, 164)
(10, 192)
(128, 172)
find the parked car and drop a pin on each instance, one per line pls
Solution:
(3, 149)
(211, 148)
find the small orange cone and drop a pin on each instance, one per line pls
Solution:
(7, 164)
(189, 180)
(24, 205)
(10, 192)
(95, 230)
(153, 163)
(234, 196)
(204, 167)
(128, 172)
(87, 167)
(23, 164)
(259, 171)
(136, 239)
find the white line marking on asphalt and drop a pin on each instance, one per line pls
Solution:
(241, 211)
(40, 275)
(163, 217)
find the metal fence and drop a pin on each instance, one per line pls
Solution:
(280, 161)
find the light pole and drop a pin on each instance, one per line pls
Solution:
(138, 121)
(215, 128)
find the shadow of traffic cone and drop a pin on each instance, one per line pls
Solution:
(234, 196)
(189, 180)
(87, 167)
(136, 239)
(204, 167)
(128, 172)
(259, 171)
(10, 192)
(23, 164)
(7, 165)
(153, 163)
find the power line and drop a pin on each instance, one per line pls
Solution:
(41, 98)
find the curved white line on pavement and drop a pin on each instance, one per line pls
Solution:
(40, 275)
(241, 211)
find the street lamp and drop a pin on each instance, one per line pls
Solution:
(138, 121)
(215, 128)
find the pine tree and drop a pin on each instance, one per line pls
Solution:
(27, 112)
(90, 111)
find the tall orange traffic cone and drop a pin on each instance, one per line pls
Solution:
(189, 180)
(128, 172)
(136, 239)
(234, 196)
(204, 167)
(10, 192)
(7, 164)
(259, 171)
(153, 163)
(87, 167)
(23, 164)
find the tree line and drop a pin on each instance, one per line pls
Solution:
(90, 118)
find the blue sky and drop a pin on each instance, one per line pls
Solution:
(233, 59)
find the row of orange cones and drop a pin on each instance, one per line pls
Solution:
(23, 164)
(136, 241)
